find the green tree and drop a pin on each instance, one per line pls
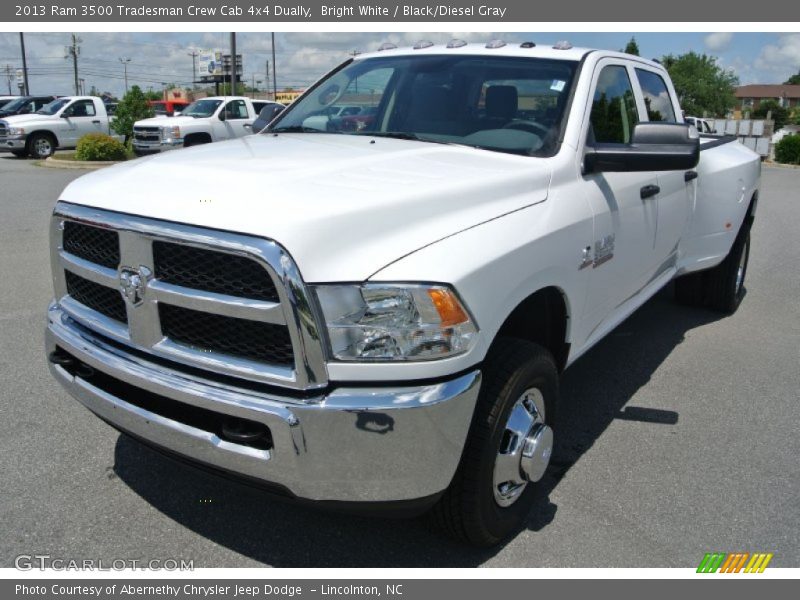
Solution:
(779, 114)
(701, 84)
(133, 107)
(632, 47)
(153, 95)
(794, 79)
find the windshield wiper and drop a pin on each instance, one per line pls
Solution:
(294, 129)
(397, 135)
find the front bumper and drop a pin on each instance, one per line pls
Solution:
(12, 143)
(154, 147)
(349, 444)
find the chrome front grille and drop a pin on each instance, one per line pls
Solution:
(147, 134)
(230, 304)
(3, 132)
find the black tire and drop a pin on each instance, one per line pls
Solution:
(41, 145)
(724, 285)
(196, 141)
(468, 510)
(20, 153)
(720, 288)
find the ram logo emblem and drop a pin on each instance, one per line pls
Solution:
(133, 283)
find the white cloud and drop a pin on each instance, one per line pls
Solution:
(781, 59)
(717, 42)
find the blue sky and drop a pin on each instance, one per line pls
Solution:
(158, 58)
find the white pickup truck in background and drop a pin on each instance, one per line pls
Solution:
(56, 126)
(204, 121)
(378, 315)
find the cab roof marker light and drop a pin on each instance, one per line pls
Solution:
(494, 44)
(423, 44)
(527, 45)
(387, 46)
(562, 45)
(455, 43)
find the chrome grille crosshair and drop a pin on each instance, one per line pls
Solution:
(280, 343)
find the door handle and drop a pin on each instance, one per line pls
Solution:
(689, 175)
(649, 191)
(247, 126)
(96, 122)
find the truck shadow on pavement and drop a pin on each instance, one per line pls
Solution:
(594, 392)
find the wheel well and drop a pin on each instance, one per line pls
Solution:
(197, 138)
(541, 318)
(44, 131)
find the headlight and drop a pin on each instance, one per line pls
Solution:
(16, 131)
(171, 133)
(395, 322)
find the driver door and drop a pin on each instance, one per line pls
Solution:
(621, 256)
(233, 121)
(81, 118)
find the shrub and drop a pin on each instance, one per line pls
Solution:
(99, 146)
(133, 107)
(788, 150)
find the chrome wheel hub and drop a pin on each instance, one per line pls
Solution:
(43, 147)
(525, 448)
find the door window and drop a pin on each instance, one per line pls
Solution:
(235, 109)
(81, 108)
(614, 111)
(656, 96)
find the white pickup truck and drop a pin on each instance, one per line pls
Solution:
(378, 315)
(203, 121)
(56, 126)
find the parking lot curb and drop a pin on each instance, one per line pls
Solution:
(76, 164)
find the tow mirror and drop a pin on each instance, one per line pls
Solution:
(653, 147)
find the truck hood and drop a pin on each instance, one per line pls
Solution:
(344, 206)
(21, 120)
(165, 121)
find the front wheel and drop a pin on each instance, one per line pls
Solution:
(41, 145)
(508, 449)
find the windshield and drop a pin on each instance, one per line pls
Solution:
(53, 107)
(505, 104)
(16, 104)
(201, 108)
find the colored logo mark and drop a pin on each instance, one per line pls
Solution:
(738, 562)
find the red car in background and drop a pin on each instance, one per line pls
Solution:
(167, 108)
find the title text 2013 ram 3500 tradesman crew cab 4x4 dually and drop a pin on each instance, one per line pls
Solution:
(380, 316)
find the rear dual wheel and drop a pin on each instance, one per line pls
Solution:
(722, 287)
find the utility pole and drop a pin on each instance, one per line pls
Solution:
(194, 54)
(8, 78)
(74, 51)
(274, 71)
(125, 62)
(233, 64)
(266, 80)
(27, 90)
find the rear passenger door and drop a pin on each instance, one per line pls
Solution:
(675, 200)
(621, 256)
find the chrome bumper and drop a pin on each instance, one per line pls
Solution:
(365, 444)
(157, 146)
(13, 143)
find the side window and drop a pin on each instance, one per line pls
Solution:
(656, 96)
(614, 107)
(236, 109)
(82, 108)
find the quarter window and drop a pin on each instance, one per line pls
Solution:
(614, 111)
(656, 96)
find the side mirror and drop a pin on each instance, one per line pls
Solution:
(222, 116)
(65, 114)
(653, 147)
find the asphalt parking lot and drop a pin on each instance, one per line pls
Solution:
(677, 437)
